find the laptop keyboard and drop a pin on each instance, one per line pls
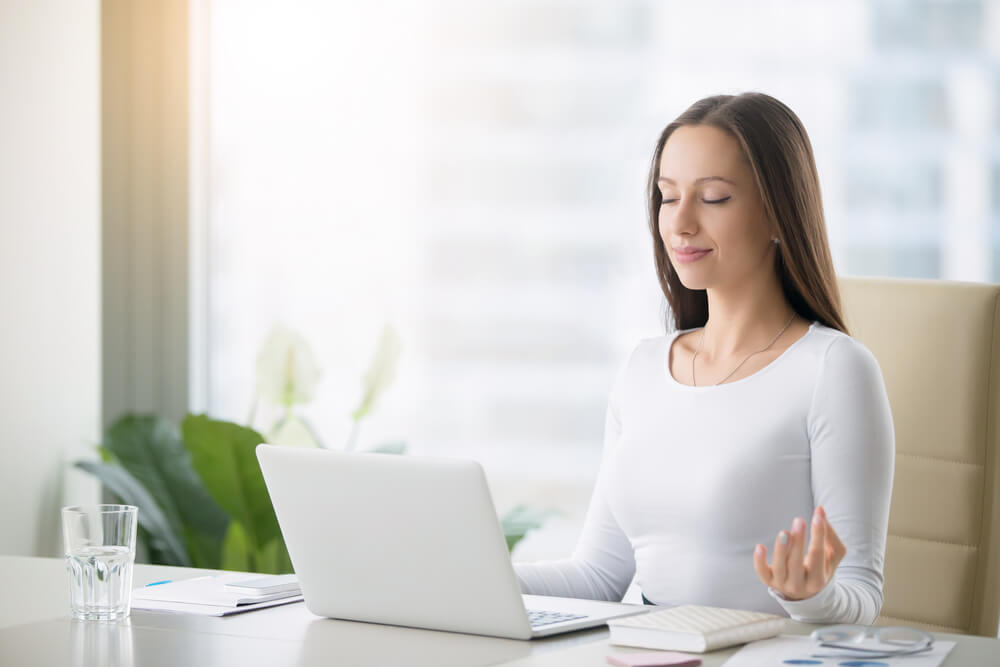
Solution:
(538, 618)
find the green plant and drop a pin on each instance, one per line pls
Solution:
(224, 456)
(201, 496)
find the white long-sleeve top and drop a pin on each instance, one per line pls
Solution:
(692, 478)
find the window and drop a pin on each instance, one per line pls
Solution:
(474, 174)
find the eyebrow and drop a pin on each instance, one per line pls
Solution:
(670, 181)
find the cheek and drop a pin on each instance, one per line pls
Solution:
(740, 229)
(662, 224)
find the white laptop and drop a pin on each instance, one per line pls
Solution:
(406, 540)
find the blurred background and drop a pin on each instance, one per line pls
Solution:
(179, 178)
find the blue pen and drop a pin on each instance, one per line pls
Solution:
(157, 583)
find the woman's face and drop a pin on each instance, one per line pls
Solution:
(712, 219)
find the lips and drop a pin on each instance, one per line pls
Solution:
(690, 254)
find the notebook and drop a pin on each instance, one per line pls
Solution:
(694, 628)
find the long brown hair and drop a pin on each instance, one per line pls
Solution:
(777, 148)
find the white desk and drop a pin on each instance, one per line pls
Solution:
(35, 629)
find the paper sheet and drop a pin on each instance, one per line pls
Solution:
(785, 649)
(205, 609)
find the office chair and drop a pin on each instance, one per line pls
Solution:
(938, 344)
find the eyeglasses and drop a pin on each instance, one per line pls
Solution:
(850, 641)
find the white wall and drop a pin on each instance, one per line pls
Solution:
(49, 263)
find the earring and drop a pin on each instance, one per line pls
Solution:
(776, 241)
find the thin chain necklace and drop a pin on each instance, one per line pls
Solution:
(694, 382)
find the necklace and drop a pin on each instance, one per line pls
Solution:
(694, 382)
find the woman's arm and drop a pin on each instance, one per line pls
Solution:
(603, 563)
(853, 446)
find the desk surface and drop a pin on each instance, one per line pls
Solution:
(35, 629)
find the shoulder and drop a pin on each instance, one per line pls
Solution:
(849, 397)
(661, 344)
(847, 368)
(643, 365)
(645, 356)
(653, 353)
(839, 351)
(650, 349)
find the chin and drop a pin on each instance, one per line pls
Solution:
(690, 280)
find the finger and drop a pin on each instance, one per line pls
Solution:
(779, 561)
(796, 544)
(836, 547)
(815, 557)
(760, 565)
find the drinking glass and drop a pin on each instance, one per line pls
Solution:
(100, 549)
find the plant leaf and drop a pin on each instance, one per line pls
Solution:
(223, 454)
(273, 558)
(150, 448)
(267, 558)
(287, 372)
(235, 551)
(161, 537)
(381, 371)
(284, 560)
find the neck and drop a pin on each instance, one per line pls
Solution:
(743, 318)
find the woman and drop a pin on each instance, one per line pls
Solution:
(757, 412)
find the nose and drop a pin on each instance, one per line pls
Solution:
(678, 219)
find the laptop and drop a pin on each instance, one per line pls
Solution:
(410, 541)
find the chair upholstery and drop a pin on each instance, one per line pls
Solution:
(938, 345)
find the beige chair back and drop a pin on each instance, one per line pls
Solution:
(938, 344)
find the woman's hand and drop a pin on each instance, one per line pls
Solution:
(793, 572)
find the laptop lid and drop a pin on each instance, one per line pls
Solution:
(401, 540)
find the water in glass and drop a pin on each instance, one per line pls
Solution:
(100, 582)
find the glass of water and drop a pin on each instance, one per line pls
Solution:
(100, 550)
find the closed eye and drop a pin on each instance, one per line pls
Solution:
(721, 200)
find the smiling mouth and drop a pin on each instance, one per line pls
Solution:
(690, 256)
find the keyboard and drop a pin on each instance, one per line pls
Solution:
(538, 618)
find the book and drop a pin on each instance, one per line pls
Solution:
(694, 628)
